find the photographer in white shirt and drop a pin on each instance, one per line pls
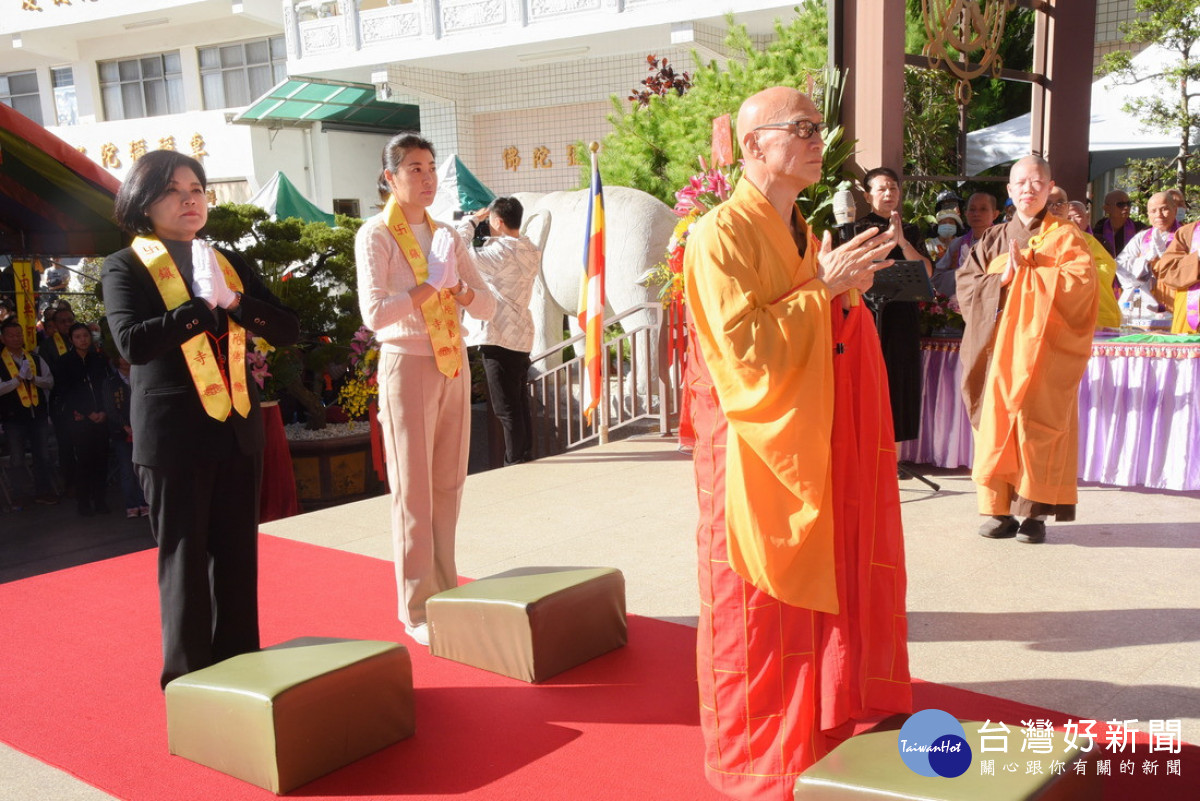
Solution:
(509, 263)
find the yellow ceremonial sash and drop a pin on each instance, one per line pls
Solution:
(27, 397)
(211, 386)
(440, 311)
(59, 345)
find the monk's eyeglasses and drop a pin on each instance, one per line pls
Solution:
(803, 129)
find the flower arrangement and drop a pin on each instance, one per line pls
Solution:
(941, 316)
(703, 191)
(361, 386)
(273, 368)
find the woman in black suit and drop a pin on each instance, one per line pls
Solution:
(79, 377)
(182, 313)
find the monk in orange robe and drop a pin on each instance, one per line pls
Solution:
(802, 629)
(1029, 297)
(1178, 269)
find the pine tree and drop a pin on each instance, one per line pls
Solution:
(657, 147)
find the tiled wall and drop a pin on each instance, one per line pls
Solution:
(1109, 16)
(480, 116)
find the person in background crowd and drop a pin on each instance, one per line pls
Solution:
(56, 342)
(949, 226)
(1135, 264)
(1181, 205)
(1116, 227)
(182, 312)
(1108, 314)
(56, 336)
(1077, 212)
(414, 278)
(55, 279)
(509, 263)
(79, 378)
(117, 394)
(1029, 294)
(1009, 210)
(1178, 271)
(899, 323)
(25, 383)
(981, 214)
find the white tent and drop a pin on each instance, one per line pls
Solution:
(1114, 135)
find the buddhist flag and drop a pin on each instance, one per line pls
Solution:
(591, 293)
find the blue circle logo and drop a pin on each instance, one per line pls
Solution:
(933, 743)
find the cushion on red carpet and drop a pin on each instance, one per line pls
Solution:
(79, 690)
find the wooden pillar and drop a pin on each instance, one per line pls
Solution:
(872, 48)
(1067, 97)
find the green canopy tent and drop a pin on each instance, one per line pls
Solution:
(458, 191)
(280, 198)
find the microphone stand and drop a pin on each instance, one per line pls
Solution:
(877, 301)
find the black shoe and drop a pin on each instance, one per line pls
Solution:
(999, 527)
(1032, 531)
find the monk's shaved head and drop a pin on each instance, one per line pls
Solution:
(1030, 163)
(780, 158)
(769, 105)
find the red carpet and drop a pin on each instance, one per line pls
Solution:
(78, 690)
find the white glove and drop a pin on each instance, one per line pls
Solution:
(25, 372)
(443, 262)
(208, 282)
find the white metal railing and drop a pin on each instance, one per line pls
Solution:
(640, 388)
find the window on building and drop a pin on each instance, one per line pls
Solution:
(19, 90)
(235, 75)
(367, 5)
(147, 86)
(347, 206)
(66, 108)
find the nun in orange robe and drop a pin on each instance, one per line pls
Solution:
(802, 629)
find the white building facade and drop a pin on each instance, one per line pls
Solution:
(509, 85)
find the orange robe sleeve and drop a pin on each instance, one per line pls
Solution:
(762, 320)
(1028, 429)
(1179, 269)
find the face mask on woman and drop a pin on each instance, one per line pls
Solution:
(947, 231)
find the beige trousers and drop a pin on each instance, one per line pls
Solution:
(426, 435)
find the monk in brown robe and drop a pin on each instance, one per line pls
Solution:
(1028, 293)
(1178, 270)
(802, 630)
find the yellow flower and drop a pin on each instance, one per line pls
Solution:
(262, 346)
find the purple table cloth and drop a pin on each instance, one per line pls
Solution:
(1139, 414)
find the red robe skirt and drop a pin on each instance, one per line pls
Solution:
(781, 685)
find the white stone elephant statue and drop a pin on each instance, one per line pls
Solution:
(638, 227)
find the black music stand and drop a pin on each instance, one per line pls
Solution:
(903, 281)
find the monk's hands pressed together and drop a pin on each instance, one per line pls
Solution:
(853, 265)
(1015, 260)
